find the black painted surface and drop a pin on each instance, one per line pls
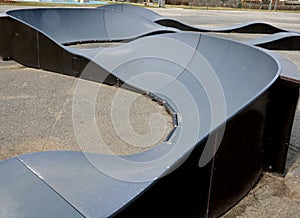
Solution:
(189, 190)
(193, 191)
(239, 160)
(282, 105)
(256, 28)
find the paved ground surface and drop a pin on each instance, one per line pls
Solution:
(36, 114)
(37, 109)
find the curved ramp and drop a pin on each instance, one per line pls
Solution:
(248, 27)
(67, 26)
(278, 41)
(205, 82)
(134, 10)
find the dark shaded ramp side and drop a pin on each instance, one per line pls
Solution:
(278, 41)
(249, 27)
(33, 48)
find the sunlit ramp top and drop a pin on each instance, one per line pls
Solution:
(69, 25)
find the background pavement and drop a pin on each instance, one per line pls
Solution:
(36, 114)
